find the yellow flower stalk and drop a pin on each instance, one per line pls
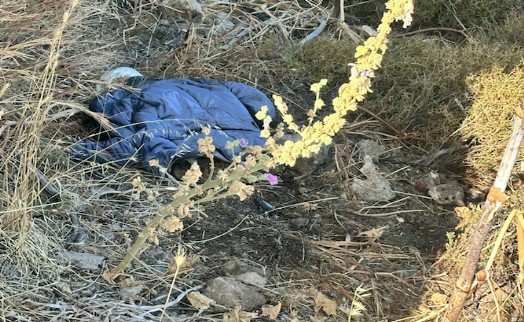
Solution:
(368, 59)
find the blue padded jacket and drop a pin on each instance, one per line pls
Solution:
(163, 119)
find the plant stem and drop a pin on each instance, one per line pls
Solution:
(164, 211)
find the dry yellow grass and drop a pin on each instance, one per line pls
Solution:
(497, 95)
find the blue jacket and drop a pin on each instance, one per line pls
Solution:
(163, 120)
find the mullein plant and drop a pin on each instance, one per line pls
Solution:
(254, 163)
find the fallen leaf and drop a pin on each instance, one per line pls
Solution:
(236, 315)
(109, 276)
(372, 234)
(307, 206)
(200, 301)
(325, 304)
(271, 311)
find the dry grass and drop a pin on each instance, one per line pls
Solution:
(51, 64)
(498, 93)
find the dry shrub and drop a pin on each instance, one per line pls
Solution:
(463, 13)
(508, 33)
(43, 86)
(497, 93)
(459, 14)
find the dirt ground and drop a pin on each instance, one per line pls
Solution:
(321, 237)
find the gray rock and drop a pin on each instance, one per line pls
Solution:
(83, 260)
(377, 189)
(130, 292)
(252, 278)
(244, 272)
(229, 292)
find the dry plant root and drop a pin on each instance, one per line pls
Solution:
(494, 202)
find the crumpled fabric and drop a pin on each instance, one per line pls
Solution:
(163, 119)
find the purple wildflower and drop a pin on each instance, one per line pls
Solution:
(243, 142)
(272, 179)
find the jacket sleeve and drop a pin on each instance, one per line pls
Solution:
(118, 150)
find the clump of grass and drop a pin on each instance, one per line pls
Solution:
(463, 13)
(498, 93)
(20, 165)
(321, 58)
(458, 14)
(422, 79)
(44, 62)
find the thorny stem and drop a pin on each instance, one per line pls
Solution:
(464, 281)
(168, 209)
